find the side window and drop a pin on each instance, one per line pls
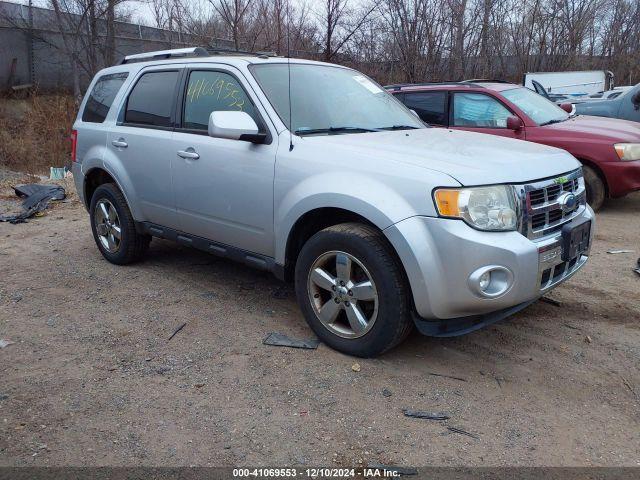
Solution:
(101, 97)
(151, 100)
(478, 110)
(430, 106)
(212, 91)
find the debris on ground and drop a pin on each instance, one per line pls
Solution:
(616, 252)
(463, 432)
(629, 386)
(572, 327)
(36, 199)
(280, 340)
(396, 471)
(587, 339)
(551, 301)
(355, 367)
(426, 415)
(447, 376)
(177, 330)
(386, 392)
(637, 269)
(5, 343)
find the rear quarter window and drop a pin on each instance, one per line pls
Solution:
(101, 97)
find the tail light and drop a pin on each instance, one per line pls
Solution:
(74, 145)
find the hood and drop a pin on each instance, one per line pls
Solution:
(612, 129)
(470, 158)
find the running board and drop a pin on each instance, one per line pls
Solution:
(254, 260)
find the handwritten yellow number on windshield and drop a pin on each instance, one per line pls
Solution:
(227, 92)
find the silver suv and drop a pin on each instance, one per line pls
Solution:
(315, 173)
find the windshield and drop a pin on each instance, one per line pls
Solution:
(539, 109)
(331, 100)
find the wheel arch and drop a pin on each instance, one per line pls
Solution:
(310, 223)
(97, 176)
(594, 166)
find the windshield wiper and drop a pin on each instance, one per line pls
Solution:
(399, 127)
(550, 122)
(312, 131)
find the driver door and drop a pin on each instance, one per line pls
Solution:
(223, 187)
(478, 112)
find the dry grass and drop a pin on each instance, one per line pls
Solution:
(35, 132)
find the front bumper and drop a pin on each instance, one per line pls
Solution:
(439, 255)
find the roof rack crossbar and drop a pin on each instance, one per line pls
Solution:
(164, 54)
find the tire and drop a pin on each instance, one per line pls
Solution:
(382, 323)
(596, 191)
(131, 245)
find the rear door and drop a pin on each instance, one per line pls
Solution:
(430, 106)
(224, 191)
(482, 113)
(142, 141)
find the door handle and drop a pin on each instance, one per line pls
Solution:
(120, 143)
(189, 153)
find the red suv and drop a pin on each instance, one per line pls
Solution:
(608, 148)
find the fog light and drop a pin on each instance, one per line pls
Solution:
(491, 281)
(484, 280)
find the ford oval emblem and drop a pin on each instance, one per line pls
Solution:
(568, 202)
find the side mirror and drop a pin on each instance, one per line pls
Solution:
(414, 112)
(567, 107)
(234, 126)
(514, 123)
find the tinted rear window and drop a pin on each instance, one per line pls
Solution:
(101, 97)
(430, 106)
(152, 99)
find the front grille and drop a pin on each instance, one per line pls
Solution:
(556, 273)
(543, 214)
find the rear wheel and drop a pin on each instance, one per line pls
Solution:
(352, 291)
(113, 226)
(596, 191)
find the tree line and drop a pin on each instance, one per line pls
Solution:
(390, 40)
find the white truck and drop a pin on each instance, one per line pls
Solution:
(569, 84)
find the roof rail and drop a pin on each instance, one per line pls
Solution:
(400, 86)
(484, 80)
(225, 51)
(164, 54)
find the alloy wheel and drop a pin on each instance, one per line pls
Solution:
(343, 294)
(107, 224)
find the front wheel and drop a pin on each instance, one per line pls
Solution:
(596, 191)
(352, 291)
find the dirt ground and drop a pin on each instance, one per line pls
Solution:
(92, 378)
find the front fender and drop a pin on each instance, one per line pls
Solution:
(367, 197)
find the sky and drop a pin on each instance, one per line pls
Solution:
(141, 11)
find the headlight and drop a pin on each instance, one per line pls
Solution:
(628, 151)
(484, 208)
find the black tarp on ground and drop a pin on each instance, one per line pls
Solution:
(36, 199)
